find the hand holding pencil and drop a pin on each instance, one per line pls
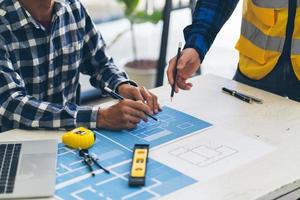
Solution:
(127, 113)
(124, 115)
(188, 63)
(175, 70)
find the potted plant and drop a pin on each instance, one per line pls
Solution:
(143, 71)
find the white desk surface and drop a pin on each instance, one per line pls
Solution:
(275, 122)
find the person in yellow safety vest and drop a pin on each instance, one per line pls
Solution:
(269, 44)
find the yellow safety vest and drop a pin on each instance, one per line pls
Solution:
(263, 35)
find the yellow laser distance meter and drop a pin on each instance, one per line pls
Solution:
(79, 138)
(139, 165)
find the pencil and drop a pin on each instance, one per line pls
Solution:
(175, 70)
(117, 96)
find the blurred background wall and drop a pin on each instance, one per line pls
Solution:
(109, 17)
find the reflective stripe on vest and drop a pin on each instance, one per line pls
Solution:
(271, 3)
(295, 47)
(259, 39)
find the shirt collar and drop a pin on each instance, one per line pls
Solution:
(21, 17)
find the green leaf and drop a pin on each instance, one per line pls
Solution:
(130, 6)
(143, 16)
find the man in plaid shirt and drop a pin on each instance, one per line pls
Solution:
(45, 45)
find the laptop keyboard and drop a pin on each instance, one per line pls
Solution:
(9, 158)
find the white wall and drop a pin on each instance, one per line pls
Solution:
(221, 60)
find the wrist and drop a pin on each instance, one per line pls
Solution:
(101, 115)
(126, 83)
(122, 85)
(196, 51)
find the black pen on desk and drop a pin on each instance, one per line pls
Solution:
(256, 100)
(175, 70)
(237, 95)
(117, 96)
(242, 96)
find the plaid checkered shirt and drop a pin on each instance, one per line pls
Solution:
(39, 68)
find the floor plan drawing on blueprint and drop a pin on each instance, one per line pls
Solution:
(74, 181)
(172, 125)
(203, 155)
(207, 156)
(114, 150)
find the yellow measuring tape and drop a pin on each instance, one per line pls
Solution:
(79, 138)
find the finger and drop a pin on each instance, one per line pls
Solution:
(185, 73)
(183, 61)
(133, 119)
(156, 106)
(136, 94)
(140, 115)
(176, 88)
(148, 97)
(184, 81)
(183, 85)
(130, 126)
(159, 108)
(140, 106)
(190, 85)
(170, 71)
(137, 114)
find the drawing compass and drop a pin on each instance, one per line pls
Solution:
(89, 161)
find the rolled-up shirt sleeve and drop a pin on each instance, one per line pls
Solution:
(208, 18)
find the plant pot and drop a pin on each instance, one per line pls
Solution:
(142, 71)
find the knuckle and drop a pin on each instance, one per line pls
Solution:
(124, 102)
(141, 104)
(148, 97)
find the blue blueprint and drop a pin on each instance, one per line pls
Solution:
(114, 152)
(172, 125)
(74, 181)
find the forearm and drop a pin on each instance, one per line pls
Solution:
(23, 111)
(208, 18)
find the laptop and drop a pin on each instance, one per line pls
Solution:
(27, 168)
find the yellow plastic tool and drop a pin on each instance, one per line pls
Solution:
(139, 165)
(79, 138)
